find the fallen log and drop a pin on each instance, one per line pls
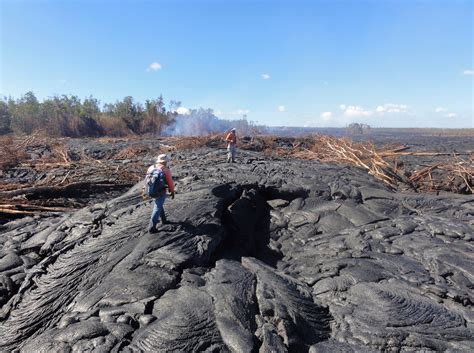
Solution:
(431, 154)
(16, 212)
(57, 191)
(396, 150)
(29, 209)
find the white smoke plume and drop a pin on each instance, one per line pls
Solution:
(199, 122)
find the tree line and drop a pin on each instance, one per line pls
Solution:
(69, 116)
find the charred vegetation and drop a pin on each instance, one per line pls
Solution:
(40, 173)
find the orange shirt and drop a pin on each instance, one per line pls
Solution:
(231, 138)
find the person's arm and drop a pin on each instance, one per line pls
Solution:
(228, 138)
(169, 180)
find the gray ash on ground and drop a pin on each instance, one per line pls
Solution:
(265, 255)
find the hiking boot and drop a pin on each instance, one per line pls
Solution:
(152, 230)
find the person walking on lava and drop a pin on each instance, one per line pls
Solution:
(231, 139)
(158, 179)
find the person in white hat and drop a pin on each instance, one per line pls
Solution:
(231, 139)
(155, 172)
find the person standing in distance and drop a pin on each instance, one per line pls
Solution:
(231, 139)
(158, 210)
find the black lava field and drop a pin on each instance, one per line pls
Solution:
(264, 255)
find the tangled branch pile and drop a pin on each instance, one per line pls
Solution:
(455, 173)
(41, 174)
(364, 155)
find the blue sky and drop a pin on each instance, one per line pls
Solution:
(299, 63)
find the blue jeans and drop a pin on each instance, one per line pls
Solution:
(157, 210)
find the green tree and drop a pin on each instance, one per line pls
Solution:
(26, 114)
(67, 116)
(59, 113)
(4, 118)
(129, 112)
(155, 116)
(90, 108)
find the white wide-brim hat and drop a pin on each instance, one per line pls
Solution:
(162, 158)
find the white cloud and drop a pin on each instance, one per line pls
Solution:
(353, 110)
(183, 111)
(265, 76)
(357, 111)
(218, 112)
(281, 108)
(391, 108)
(325, 83)
(155, 66)
(444, 110)
(243, 111)
(468, 72)
(326, 116)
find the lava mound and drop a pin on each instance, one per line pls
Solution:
(264, 255)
